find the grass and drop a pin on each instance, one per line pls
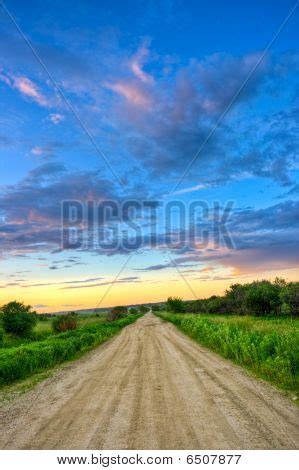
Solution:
(19, 362)
(43, 330)
(267, 347)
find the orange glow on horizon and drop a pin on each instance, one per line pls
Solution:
(52, 298)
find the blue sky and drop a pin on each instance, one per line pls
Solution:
(146, 82)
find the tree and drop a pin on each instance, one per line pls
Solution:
(175, 304)
(18, 318)
(263, 297)
(280, 282)
(236, 296)
(290, 297)
(117, 312)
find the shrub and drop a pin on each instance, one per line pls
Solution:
(64, 323)
(195, 306)
(117, 312)
(217, 304)
(1, 336)
(18, 318)
(133, 311)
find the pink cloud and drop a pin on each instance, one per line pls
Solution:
(25, 86)
(133, 93)
(28, 88)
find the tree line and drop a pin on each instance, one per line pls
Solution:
(258, 298)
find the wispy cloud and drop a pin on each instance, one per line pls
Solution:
(29, 89)
(128, 280)
(133, 93)
(26, 87)
(198, 187)
(137, 63)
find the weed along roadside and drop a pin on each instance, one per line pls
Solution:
(22, 361)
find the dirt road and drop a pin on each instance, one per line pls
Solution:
(150, 387)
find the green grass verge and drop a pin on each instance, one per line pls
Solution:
(269, 348)
(20, 362)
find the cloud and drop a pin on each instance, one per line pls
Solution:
(184, 108)
(84, 281)
(56, 118)
(31, 209)
(264, 239)
(37, 151)
(291, 192)
(29, 89)
(47, 150)
(133, 93)
(129, 278)
(177, 125)
(155, 267)
(66, 65)
(26, 87)
(137, 62)
(198, 187)
(160, 121)
(106, 283)
(43, 284)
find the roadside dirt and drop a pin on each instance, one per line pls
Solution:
(150, 387)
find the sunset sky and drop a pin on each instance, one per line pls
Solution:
(111, 100)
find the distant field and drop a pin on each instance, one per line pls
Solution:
(267, 346)
(43, 330)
